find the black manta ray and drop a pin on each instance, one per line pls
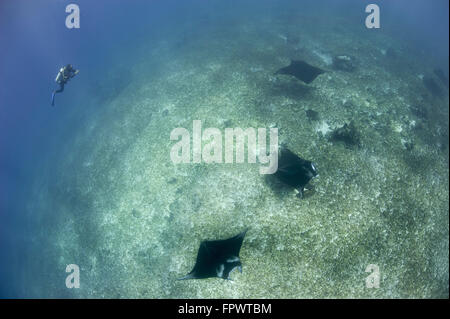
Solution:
(295, 171)
(301, 70)
(217, 258)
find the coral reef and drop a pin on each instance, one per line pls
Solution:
(113, 202)
(347, 134)
(344, 63)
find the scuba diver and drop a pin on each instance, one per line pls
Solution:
(64, 75)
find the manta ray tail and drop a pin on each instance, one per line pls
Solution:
(188, 276)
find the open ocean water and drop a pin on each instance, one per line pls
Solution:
(90, 181)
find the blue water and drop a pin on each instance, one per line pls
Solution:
(117, 35)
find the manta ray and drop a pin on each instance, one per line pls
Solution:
(295, 171)
(217, 258)
(301, 70)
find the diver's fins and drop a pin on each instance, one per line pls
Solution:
(53, 98)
